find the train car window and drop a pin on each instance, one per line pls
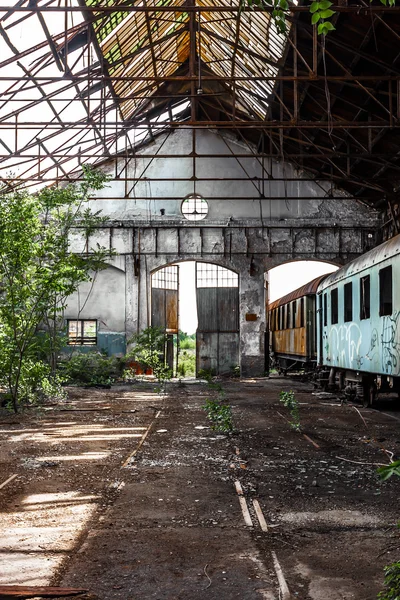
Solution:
(294, 312)
(281, 317)
(334, 306)
(325, 310)
(385, 291)
(365, 297)
(302, 312)
(288, 314)
(348, 302)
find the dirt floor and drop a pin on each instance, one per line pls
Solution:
(131, 495)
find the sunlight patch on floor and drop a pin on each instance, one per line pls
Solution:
(32, 548)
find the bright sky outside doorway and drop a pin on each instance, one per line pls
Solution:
(283, 279)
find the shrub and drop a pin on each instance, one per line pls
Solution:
(220, 415)
(92, 368)
(289, 401)
(391, 583)
(187, 364)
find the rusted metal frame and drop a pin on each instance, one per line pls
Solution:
(154, 83)
(93, 40)
(151, 46)
(206, 77)
(239, 46)
(48, 96)
(57, 163)
(324, 177)
(251, 124)
(336, 96)
(46, 126)
(384, 23)
(42, 92)
(53, 47)
(296, 51)
(192, 58)
(360, 54)
(330, 176)
(137, 179)
(295, 83)
(11, 12)
(253, 154)
(7, 40)
(235, 47)
(219, 198)
(207, 9)
(34, 49)
(289, 156)
(34, 142)
(392, 215)
(251, 179)
(340, 64)
(382, 132)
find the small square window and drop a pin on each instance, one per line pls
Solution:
(82, 332)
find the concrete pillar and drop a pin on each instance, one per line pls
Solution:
(252, 323)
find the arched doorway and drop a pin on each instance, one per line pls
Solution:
(216, 307)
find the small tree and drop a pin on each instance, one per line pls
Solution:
(148, 351)
(38, 271)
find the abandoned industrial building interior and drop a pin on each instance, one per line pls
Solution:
(200, 299)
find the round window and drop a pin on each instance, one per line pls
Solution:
(194, 208)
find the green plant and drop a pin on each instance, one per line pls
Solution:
(220, 415)
(148, 351)
(38, 271)
(320, 13)
(392, 571)
(187, 364)
(205, 374)
(391, 583)
(92, 368)
(289, 401)
(236, 371)
(389, 470)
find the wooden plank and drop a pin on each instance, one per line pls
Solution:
(245, 511)
(284, 590)
(27, 591)
(8, 481)
(260, 516)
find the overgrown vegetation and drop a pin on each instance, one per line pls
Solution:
(289, 401)
(92, 368)
(37, 273)
(219, 415)
(187, 364)
(321, 12)
(392, 572)
(148, 351)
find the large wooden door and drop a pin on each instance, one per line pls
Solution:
(217, 336)
(165, 306)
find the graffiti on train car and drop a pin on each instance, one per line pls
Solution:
(345, 342)
(390, 340)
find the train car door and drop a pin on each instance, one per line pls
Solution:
(217, 335)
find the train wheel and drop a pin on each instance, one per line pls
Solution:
(369, 395)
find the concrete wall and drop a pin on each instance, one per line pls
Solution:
(264, 223)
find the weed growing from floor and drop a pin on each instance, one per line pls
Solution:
(391, 582)
(392, 571)
(289, 401)
(220, 415)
